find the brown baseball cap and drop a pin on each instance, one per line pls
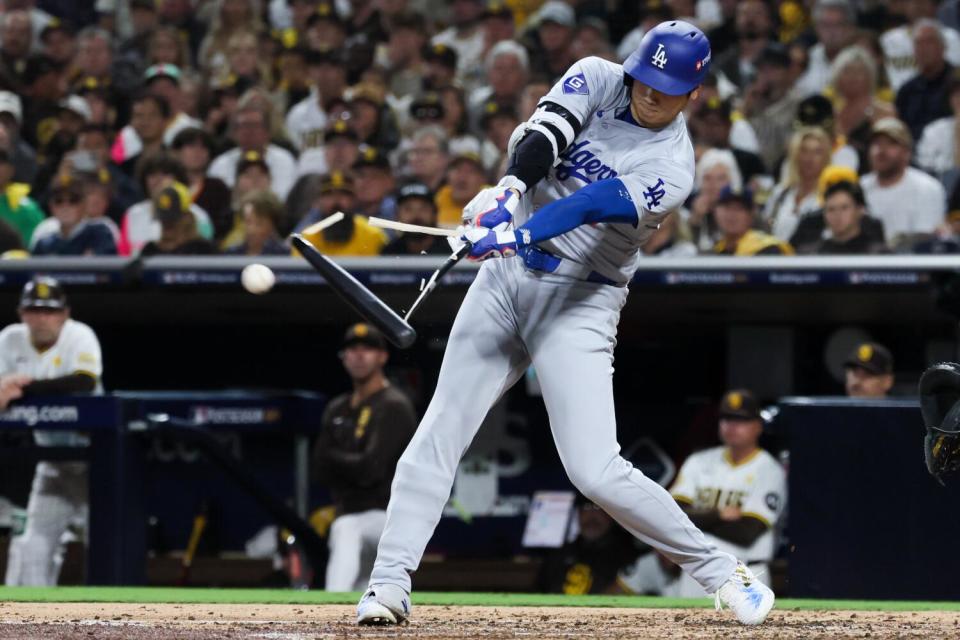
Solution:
(366, 334)
(894, 129)
(740, 404)
(872, 357)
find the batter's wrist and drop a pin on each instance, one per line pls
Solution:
(513, 182)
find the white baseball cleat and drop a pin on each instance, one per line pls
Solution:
(748, 598)
(384, 604)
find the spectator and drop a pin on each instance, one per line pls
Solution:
(16, 207)
(936, 150)
(353, 236)
(712, 125)
(48, 354)
(292, 84)
(439, 66)
(552, 52)
(149, 120)
(308, 119)
(92, 156)
(835, 23)
(769, 103)
(898, 43)
(10, 241)
(167, 46)
(507, 69)
(140, 225)
(530, 97)
(716, 169)
(754, 29)
(464, 36)
(427, 156)
(23, 156)
(843, 210)
(670, 240)
(230, 17)
(592, 38)
(590, 563)
(923, 99)
(362, 434)
(373, 122)
(735, 214)
(42, 92)
(59, 40)
(244, 62)
(906, 200)
(854, 82)
(250, 132)
(262, 217)
(869, 371)
(178, 226)
(339, 152)
(465, 178)
(401, 56)
(416, 205)
(143, 19)
(375, 182)
(796, 195)
(817, 111)
(326, 30)
(735, 494)
(498, 24)
(16, 42)
(193, 147)
(499, 122)
(77, 235)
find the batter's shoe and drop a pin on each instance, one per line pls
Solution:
(748, 598)
(384, 604)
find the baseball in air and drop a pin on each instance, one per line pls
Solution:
(257, 278)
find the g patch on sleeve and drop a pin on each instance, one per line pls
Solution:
(576, 85)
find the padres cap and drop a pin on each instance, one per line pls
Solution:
(815, 111)
(498, 9)
(440, 53)
(336, 181)
(43, 292)
(171, 203)
(740, 403)
(872, 357)
(718, 106)
(372, 157)
(494, 109)
(427, 107)
(366, 334)
(66, 184)
(252, 159)
(340, 129)
(55, 25)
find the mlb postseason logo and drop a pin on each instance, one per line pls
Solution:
(576, 84)
(660, 57)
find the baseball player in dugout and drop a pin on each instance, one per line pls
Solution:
(604, 158)
(362, 435)
(869, 371)
(734, 493)
(48, 353)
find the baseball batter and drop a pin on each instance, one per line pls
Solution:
(605, 157)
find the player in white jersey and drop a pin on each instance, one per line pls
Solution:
(48, 353)
(603, 159)
(735, 493)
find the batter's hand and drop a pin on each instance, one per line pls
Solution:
(491, 243)
(495, 205)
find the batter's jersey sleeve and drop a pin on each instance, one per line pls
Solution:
(767, 498)
(587, 86)
(658, 187)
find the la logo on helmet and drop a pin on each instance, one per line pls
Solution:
(660, 57)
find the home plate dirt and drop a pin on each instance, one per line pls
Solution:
(43, 621)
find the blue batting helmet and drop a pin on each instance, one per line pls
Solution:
(673, 58)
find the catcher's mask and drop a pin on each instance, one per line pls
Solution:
(940, 405)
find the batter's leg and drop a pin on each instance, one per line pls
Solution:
(571, 344)
(484, 358)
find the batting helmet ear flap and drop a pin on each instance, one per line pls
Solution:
(939, 395)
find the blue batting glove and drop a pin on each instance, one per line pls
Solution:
(490, 243)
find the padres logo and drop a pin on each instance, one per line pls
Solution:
(864, 353)
(735, 400)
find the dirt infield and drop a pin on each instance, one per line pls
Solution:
(45, 621)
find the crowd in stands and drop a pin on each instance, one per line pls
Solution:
(220, 126)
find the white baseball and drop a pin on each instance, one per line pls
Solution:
(257, 278)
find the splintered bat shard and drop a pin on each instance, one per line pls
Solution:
(364, 302)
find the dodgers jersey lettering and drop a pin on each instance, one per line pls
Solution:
(655, 165)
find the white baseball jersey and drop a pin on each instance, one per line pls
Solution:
(77, 350)
(307, 122)
(656, 165)
(757, 486)
(897, 45)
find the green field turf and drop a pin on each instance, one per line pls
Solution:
(278, 596)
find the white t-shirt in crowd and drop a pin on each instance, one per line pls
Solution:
(915, 204)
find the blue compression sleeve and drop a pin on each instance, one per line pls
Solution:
(601, 201)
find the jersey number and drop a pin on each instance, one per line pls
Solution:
(660, 57)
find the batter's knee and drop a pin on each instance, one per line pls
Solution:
(598, 481)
